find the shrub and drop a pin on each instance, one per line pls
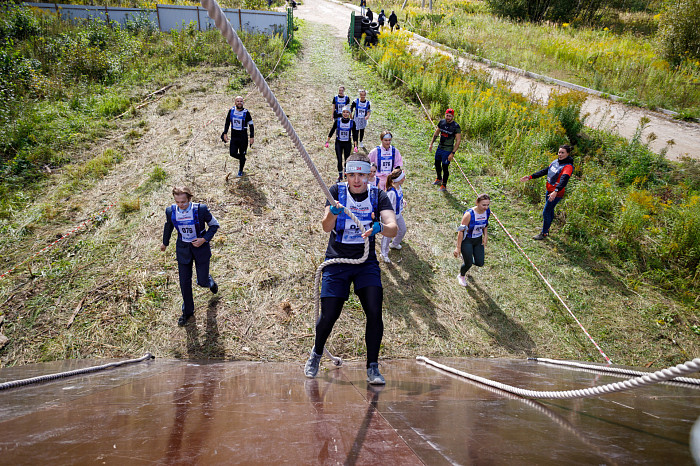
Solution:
(158, 175)
(679, 30)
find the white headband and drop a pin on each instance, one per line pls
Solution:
(357, 166)
(400, 177)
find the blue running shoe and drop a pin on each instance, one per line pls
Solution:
(373, 375)
(311, 367)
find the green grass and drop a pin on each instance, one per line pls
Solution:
(62, 85)
(270, 244)
(619, 63)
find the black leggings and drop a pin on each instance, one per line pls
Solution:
(342, 148)
(361, 133)
(442, 170)
(472, 253)
(371, 298)
(238, 150)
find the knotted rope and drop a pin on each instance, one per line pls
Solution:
(216, 13)
(648, 379)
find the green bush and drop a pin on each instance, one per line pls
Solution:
(18, 23)
(679, 30)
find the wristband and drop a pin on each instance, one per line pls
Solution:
(335, 210)
(376, 228)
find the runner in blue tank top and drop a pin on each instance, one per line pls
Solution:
(472, 236)
(373, 209)
(344, 130)
(239, 119)
(362, 110)
(339, 102)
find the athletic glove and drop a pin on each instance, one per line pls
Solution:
(335, 210)
(376, 228)
(326, 145)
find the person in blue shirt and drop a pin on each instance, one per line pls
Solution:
(472, 236)
(192, 246)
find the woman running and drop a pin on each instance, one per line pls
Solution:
(386, 157)
(344, 128)
(558, 174)
(362, 111)
(395, 193)
(472, 236)
(373, 208)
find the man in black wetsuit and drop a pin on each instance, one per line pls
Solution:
(239, 119)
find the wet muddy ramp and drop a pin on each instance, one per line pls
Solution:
(168, 412)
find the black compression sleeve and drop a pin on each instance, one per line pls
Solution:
(540, 173)
(562, 182)
(335, 126)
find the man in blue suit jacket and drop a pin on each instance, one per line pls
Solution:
(190, 220)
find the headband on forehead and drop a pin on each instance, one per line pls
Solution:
(400, 177)
(357, 166)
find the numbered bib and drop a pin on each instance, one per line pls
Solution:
(186, 225)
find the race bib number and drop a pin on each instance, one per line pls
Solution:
(188, 233)
(344, 134)
(352, 233)
(237, 124)
(386, 166)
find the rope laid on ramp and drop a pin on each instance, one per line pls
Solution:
(648, 379)
(62, 375)
(216, 13)
(608, 369)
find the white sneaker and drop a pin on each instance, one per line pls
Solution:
(362, 144)
(398, 246)
(388, 261)
(462, 280)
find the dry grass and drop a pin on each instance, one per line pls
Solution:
(123, 293)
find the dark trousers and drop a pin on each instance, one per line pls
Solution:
(371, 299)
(442, 165)
(238, 150)
(472, 253)
(360, 133)
(203, 279)
(548, 213)
(342, 148)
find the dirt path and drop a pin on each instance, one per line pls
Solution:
(679, 138)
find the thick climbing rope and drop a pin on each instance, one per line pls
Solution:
(608, 369)
(222, 23)
(551, 288)
(648, 379)
(62, 375)
(541, 408)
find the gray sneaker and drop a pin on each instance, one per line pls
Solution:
(373, 375)
(311, 367)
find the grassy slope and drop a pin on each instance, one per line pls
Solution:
(271, 242)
